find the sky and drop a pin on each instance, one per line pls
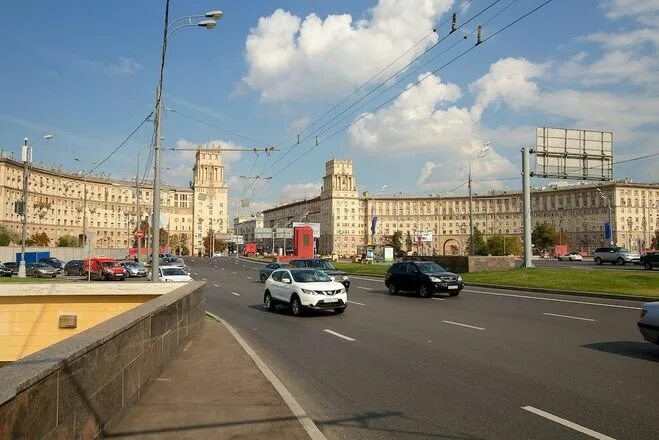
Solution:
(361, 79)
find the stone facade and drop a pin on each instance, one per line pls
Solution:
(577, 210)
(56, 203)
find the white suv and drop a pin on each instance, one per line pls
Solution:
(304, 289)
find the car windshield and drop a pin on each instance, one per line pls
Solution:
(430, 267)
(173, 271)
(110, 264)
(309, 276)
(322, 264)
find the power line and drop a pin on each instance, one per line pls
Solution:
(121, 144)
(417, 83)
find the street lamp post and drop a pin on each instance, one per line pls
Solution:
(608, 202)
(481, 154)
(168, 30)
(26, 156)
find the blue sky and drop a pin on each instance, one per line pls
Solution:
(86, 72)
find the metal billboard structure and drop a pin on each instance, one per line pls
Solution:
(565, 153)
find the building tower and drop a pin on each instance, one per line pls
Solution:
(340, 210)
(210, 209)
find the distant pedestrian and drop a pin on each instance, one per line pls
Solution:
(135, 259)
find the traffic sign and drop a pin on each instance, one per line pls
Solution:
(139, 234)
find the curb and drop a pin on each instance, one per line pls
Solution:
(563, 292)
(307, 424)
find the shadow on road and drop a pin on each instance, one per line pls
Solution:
(286, 311)
(635, 349)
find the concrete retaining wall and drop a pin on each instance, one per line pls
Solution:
(465, 264)
(8, 253)
(78, 387)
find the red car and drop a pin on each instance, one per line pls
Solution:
(102, 268)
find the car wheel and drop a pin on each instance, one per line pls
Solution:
(66, 272)
(267, 302)
(263, 278)
(647, 266)
(339, 311)
(598, 261)
(296, 307)
(393, 290)
(620, 261)
(424, 292)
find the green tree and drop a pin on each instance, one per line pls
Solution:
(68, 240)
(7, 236)
(220, 245)
(40, 239)
(396, 241)
(480, 245)
(544, 236)
(495, 244)
(513, 246)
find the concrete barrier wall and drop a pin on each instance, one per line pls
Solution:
(8, 253)
(465, 264)
(80, 386)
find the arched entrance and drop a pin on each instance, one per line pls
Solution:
(452, 246)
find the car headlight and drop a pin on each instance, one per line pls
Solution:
(308, 292)
(345, 278)
(332, 277)
(435, 280)
(459, 279)
(343, 291)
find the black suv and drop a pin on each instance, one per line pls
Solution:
(325, 266)
(423, 277)
(648, 261)
(5, 271)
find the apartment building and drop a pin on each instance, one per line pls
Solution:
(580, 211)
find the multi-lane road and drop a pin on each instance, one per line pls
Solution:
(488, 364)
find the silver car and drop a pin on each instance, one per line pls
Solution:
(615, 255)
(649, 322)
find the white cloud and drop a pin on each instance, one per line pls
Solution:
(508, 81)
(124, 66)
(298, 125)
(614, 67)
(300, 190)
(631, 8)
(293, 58)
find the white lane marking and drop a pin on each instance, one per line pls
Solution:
(463, 325)
(223, 269)
(296, 409)
(250, 278)
(355, 302)
(216, 285)
(347, 338)
(204, 279)
(364, 288)
(439, 299)
(234, 273)
(234, 293)
(567, 423)
(569, 317)
(381, 280)
(538, 298)
(195, 273)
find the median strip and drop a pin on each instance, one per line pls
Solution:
(569, 317)
(539, 298)
(567, 423)
(463, 325)
(338, 335)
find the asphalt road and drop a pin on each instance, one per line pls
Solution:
(487, 364)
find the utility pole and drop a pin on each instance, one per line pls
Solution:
(471, 215)
(526, 207)
(139, 212)
(26, 154)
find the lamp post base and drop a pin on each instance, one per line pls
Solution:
(21, 269)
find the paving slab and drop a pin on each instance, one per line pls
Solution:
(212, 389)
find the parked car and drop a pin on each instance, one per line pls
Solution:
(304, 289)
(423, 277)
(40, 270)
(74, 267)
(12, 265)
(217, 254)
(103, 268)
(173, 273)
(572, 256)
(650, 260)
(134, 269)
(54, 262)
(5, 271)
(325, 266)
(267, 270)
(649, 322)
(615, 255)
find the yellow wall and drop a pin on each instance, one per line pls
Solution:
(30, 323)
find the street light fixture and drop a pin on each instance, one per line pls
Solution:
(167, 31)
(26, 156)
(483, 151)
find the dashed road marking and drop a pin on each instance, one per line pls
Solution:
(234, 273)
(463, 325)
(364, 288)
(569, 317)
(216, 285)
(250, 278)
(355, 302)
(439, 299)
(338, 335)
(567, 423)
(234, 293)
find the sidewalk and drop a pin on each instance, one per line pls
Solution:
(214, 390)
